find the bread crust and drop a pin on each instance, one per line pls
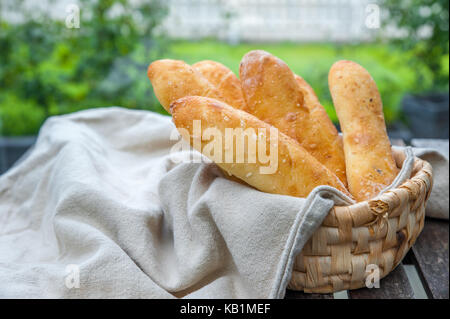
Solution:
(173, 79)
(319, 114)
(297, 172)
(369, 160)
(311, 98)
(273, 95)
(224, 80)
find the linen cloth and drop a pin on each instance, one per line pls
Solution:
(102, 208)
(436, 153)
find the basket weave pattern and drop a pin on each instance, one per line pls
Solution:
(379, 231)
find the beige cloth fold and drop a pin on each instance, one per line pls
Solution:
(436, 153)
(99, 209)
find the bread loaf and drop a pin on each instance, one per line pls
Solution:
(368, 155)
(173, 79)
(273, 95)
(224, 80)
(291, 170)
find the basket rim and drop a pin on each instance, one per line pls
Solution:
(415, 189)
(351, 237)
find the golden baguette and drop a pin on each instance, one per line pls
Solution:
(173, 79)
(224, 80)
(310, 96)
(318, 112)
(369, 160)
(274, 96)
(296, 172)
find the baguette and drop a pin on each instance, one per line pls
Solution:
(173, 79)
(369, 160)
(225, 81)
(273, 95)
(296, 172)
(311, 98)
(318, 112)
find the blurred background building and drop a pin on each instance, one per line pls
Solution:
(62, 56)
(269, 20)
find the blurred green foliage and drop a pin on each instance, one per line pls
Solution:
(424, 25)
(47, 69)
(19, 116)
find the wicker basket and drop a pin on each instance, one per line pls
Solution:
(379, 231)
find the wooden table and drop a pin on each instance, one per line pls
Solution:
(423, 273)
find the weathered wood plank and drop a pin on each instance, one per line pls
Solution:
(393, 286)
(431, 254)
(291, 294)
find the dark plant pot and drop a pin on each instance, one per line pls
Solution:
(427, 115)
(12, 149)
(399, 131)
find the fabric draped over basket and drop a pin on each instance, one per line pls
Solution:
(102, 191)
